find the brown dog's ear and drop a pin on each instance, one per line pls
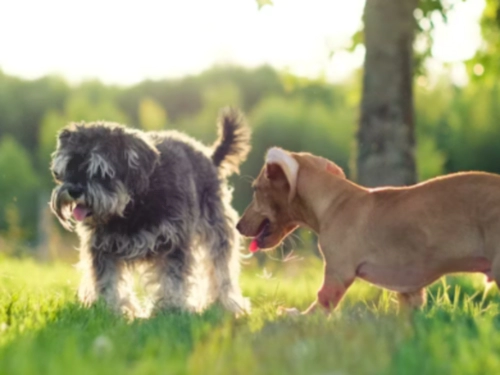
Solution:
(281, 163)
(274, 171)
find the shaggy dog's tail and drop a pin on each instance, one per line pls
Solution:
(233, 145)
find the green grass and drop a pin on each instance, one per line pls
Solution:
(44, 331)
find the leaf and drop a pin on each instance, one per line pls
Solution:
(262, 3)
(487, 56)
(357, 39)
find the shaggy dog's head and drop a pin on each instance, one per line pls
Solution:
(99, 168)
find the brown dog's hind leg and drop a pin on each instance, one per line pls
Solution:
(412, 300)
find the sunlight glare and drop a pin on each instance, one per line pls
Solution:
(127, 41)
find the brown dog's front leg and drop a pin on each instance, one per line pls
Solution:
(413, 300)
(331, 292)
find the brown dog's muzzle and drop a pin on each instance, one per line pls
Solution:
(239, 226)
(250, 222)
(248, 228)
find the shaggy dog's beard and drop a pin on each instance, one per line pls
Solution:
(95, 206)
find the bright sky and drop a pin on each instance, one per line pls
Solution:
(124, 41)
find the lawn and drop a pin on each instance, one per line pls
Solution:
(44, 331)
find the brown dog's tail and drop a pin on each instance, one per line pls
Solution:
(233, 145)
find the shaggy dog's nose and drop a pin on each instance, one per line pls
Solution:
(75, 191)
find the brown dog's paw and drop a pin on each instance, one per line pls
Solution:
(290, 311)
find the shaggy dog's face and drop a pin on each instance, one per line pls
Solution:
(99, 169)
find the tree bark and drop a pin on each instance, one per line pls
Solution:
(386, 137)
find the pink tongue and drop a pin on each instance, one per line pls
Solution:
(253, 246)
(80, 213)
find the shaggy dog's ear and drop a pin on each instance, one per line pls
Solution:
(141, 158)
(280, 164)
(65, 134)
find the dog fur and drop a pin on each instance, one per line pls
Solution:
(401, 239)
(157, 202)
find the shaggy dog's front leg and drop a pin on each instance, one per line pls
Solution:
(224, 254)
(106, 277)
(168, 275)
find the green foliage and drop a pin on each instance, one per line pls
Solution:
(93, 101)
(151, 115)
(202, 125)
(456, 127)
(463, 125)
(484, 66)
(24, 103)
(430, 160)
(18, 186)
(44, 330)
(52, 122)
(425, 15)
(262, 3)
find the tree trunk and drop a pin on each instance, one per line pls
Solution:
(386, 137)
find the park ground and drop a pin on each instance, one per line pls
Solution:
(43, 330)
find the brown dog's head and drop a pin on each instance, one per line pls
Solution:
(276, 209)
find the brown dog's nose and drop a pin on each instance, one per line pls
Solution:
(238, 226)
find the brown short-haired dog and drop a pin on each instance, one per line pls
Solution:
(401, 239)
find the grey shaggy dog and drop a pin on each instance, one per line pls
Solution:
(157, 202)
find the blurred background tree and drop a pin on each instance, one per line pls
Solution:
(386, 135)
(386, 138)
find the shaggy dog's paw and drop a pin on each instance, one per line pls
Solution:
(237, 305)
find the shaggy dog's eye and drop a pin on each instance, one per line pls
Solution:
(56, 175)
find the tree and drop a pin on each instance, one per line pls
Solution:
(386, 135)
(386, 138)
